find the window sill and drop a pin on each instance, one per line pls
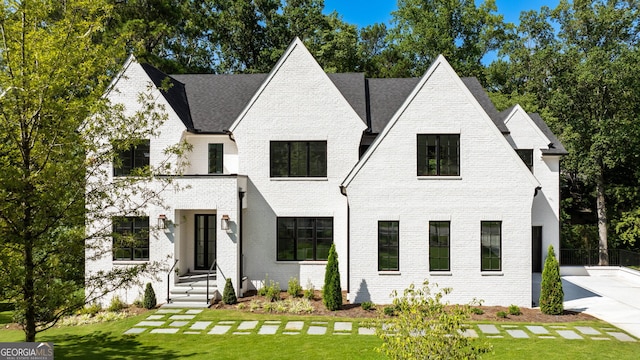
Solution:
(130, 262)
(439, 177)
(440, 273)
(301, 262)
(492, 273)
(299, 179)
(389, 273)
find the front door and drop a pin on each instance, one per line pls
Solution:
(536, 249)
(205, 241)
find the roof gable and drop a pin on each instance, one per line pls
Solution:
(173, 91)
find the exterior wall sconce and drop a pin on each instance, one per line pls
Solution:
(224, 222)
(162, 221)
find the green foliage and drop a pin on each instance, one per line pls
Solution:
(551, 293)
(270, 289)
(116, 304)
(229, 293)
(425, 327)
(332, 291)
(389, 311)
(501, 314)
(91, 309)
(477, 311)
(367, 305)
(149, 300)
(294, 288)
(514, 310)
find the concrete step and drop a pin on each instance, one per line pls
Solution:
(182, 290)
(185, 305)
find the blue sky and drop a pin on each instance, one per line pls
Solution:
(367, 12)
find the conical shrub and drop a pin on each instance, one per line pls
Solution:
(551, 293)
(229, 294)
(149, 301)
(332, 292)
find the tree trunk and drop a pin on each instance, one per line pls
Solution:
(602, 218)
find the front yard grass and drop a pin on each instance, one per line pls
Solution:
(107, 341)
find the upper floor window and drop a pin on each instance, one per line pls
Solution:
(298, 158)
(491, 244)
(388, 245)
(215, 159)
(304, 238)
(130, 238)
(438, 155)
(439, 245)
(135, 157)
(527, 156)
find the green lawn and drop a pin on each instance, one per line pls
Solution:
(106, 341)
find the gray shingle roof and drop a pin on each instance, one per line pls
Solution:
(555, 147)
(482, 97)
(173, 91)
(385, 98)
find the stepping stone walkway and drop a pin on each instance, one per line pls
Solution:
(185, 321)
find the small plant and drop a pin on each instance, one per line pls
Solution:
(270, 290)
(90, 310)
(149, 301)
(294, 288)
(116, 304)
(514, 310)
(255, 305)
(477, 311)
(332, 291)
(367, 305)
(229, 294)
(268, 307)
(241, 306)
(389, 310)
(309, 292)
(138, 303)
(501, 314)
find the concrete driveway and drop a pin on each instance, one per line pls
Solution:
(611, 294)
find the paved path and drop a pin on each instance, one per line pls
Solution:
(183, 321)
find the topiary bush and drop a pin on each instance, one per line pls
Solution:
(229, 294)
(332, 293)
(551, 293)
(149, 301)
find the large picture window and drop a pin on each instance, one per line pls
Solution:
(304, 238)
(298, 158)
(439, 246)
(135, 157)
(491, 239)
(215, 159)
(388, 246)
(131, 238)
(438, 155)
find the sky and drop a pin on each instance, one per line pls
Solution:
(367, 12)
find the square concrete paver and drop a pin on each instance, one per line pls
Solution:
(181, 317)
(488, 329)
(164, 331)
(178, 323)
(272, 322)
(268, 329)
(219, 330)
(342, 326)
(518, 334)
(470, 333)
(621, 336)
(169, 311)
(366, 331)
(200, 325)
(569, 334)
(588, 330)
(538, 330)
(317, 330)
(248, 325)
(193, 312)
(150, 323)
(294, 325)
(291, 333)
(135, 330)
(155, 317)
(227, 322)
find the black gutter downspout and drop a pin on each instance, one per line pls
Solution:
(240, 224)
(343, 191)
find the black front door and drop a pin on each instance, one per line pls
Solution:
(205, 239)
(536, 249)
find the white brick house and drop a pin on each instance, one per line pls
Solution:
(412, 179)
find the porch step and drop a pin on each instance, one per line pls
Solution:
(184, 305)
(191, 291)
(196, 278)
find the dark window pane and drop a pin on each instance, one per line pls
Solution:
(279, 159)
(215, 158)
(304, 238)
(130, 238)
(318, 159)
(439, 245)
(491, 243)
(298, 158)
(135, 157)
(438, 155)
(286, 239)
(527, 157)
(388, 245)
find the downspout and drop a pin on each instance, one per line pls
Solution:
(343, 191)
(240, 224)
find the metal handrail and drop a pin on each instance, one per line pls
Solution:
(208, 275)
(169, 280)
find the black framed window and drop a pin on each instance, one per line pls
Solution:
(491, 244)
(215, 158)
(298, 158)
(527, 156)
(304, 238)
(388, 246)
(135, 157)
(130, 238)
(439, 246)
(438, 154)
